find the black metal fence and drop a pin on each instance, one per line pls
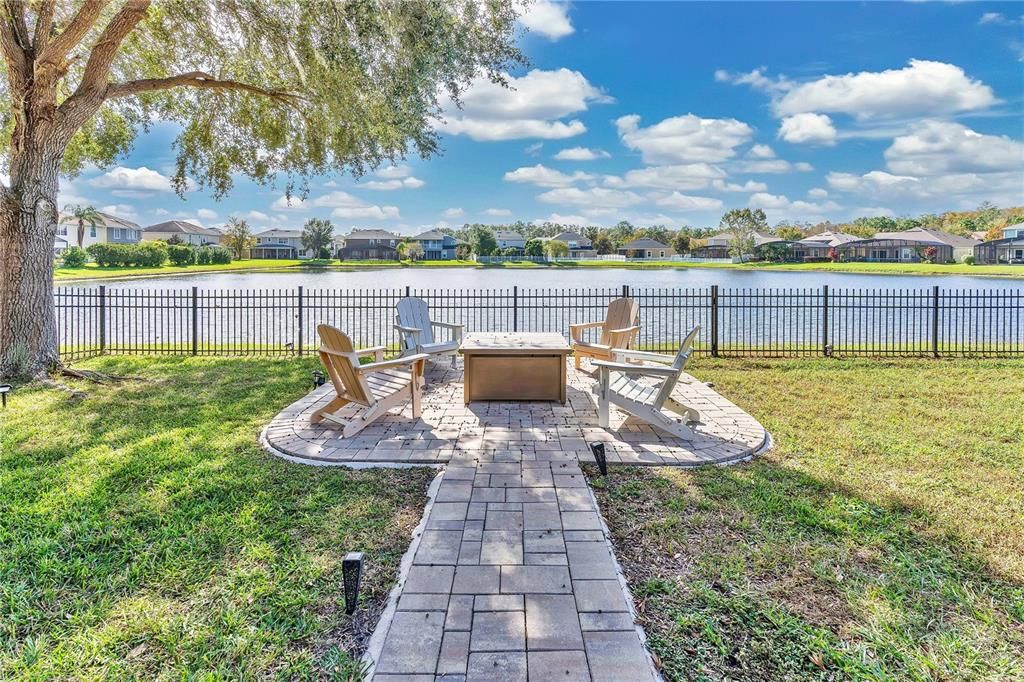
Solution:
(735, 322)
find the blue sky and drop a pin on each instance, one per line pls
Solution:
(672, 113)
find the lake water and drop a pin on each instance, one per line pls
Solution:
(761, 312)
(562, 278)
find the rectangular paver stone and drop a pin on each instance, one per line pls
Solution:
(413, 642)
(563, 666)
(535, 580)
(498, 631)
(476, 580)
(501, 547)
(454, 654)
(590, 561)
(507, 666)
(429, 579)
(552, 622)
(599, 595)
(616, 656)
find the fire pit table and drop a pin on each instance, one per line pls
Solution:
(514, 366)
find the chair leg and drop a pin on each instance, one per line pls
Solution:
(576, 358)
(329, 408)
(690, 414)
(602, 399)
(417, 399)
(667, 424)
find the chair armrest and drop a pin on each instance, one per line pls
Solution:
(450, 325)
(371, 367)
(635, 369)
(624, 330)
(372, 350)
(642, 355)
(576, 330)
(408, 330)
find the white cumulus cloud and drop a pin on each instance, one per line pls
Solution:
(550, 19)
(581, 154)
(137, 179)
(542, 176)
(597, 197)
(345, 205)
(533, 106)
(684, 176)
(497, 212)
(935, 147)
(921, 87)
(453, 212)
(686, 202)
(808, 128)
(683, 139)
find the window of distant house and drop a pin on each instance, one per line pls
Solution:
(92, 231)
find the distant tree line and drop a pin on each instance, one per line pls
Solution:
(480, 238)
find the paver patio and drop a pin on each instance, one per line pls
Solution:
(447, 427)
(512, 575)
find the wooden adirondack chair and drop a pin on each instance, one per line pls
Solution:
(619, 329)
(618, 386)
(412, 320)
(378, 386)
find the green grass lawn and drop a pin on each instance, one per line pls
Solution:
(882, 538)
(144, 534)
(92, 271)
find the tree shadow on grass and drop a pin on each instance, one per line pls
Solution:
(145, 533)
(762, 572)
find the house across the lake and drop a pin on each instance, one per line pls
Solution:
(646, 248)
(109, 229)
(1007, 251)
(280, 244)
(370, 245)
(508, 239)
(185, 232)
(579, 246)
(437, 245)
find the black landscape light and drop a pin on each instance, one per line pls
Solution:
(4, 390)
(318, 378)
(352, 573)
(602, 461)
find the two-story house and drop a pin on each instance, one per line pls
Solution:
(185, 232)
(507, 239)
(109, 229)
(437, 245)
(280, 244)
(1008, 250)
(370, 245)
(579, 246)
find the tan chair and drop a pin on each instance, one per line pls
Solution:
(378, 386)
(412, 320)
(619, 329)
(646, 400)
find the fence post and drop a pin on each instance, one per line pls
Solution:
(935, 321)
(195, 320)
(301, 322)
(515, 308)
(625, 291)
(714, 320)
(824, 321)
(408, 291)
(103, 319)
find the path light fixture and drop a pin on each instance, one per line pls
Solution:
(599, 457)
(4, 390)
(352, 573)
(318, 378)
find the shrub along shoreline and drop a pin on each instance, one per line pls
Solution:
(155, 254)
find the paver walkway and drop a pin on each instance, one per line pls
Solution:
(513, 579)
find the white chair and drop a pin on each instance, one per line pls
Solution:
(617, 385)
(378, 386)
(412, 320)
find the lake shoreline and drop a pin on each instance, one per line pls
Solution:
(891, 269)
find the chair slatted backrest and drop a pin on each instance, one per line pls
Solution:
(622, 312)
(340, 360)
(414, 312)
(679, 364)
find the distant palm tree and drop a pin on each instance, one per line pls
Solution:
(84, 214)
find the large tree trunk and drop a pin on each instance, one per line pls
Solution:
(28, 225)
